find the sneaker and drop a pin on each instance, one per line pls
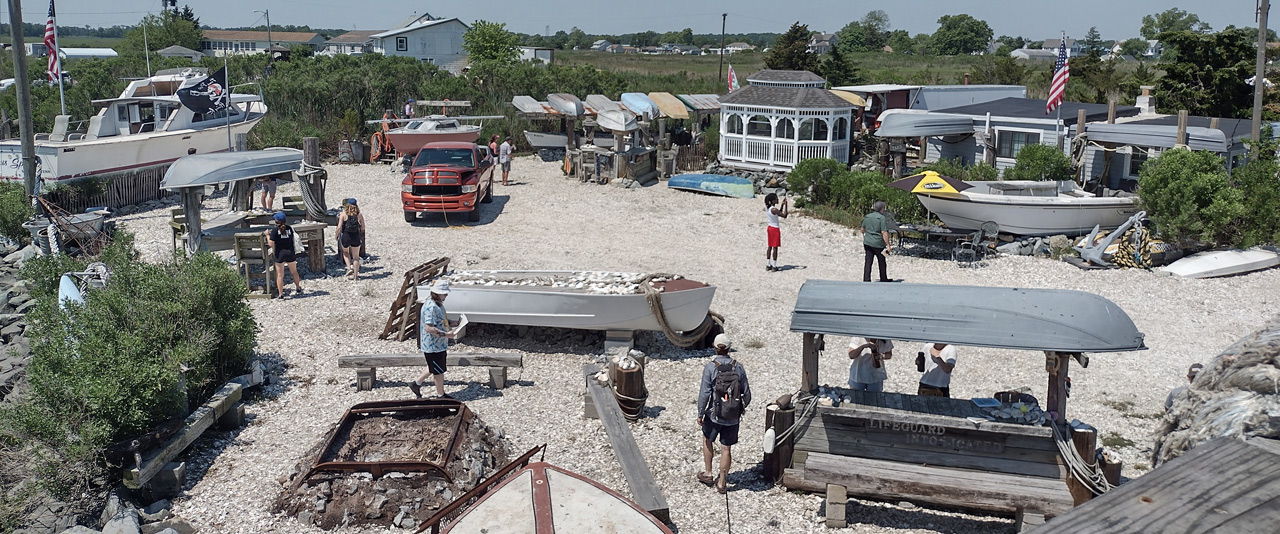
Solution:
(416, 389)
(445, 396)
(298, 291)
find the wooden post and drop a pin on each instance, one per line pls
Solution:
(1111, 111)
(191, 210)
(311, 158)
(924, 149)
(242, 142)
(778, 461)
(1081, 120)
(1213, 123)
(1057, 397)
(1085, 440)
(989, 151)
(809, 364)
(1181, 139)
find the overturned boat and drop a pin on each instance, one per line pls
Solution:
(1031, 208)
(588, 300)
(1215, 263)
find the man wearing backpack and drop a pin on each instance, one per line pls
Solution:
(723, 395)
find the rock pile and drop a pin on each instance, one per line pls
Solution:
(121, 515)
(538, 334)
(765, 181)
(15, 301)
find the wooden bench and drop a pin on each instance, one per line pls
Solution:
(366, 365)
(1027, 496)
(644, 489)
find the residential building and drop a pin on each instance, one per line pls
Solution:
(782, 118)
(222, 42)
(822, 43)
(1034, 54)
(354, 42)
(180, 51)
(601, 45)
(733, 48)
(688, 50)
(537, 55)
(433, 41)
(1074, 48)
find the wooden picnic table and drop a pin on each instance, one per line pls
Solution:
(311, 232)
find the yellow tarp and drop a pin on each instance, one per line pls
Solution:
(851, 98)
(669, 105)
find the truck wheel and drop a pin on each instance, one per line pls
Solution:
(410, 216)
(488, 194)
(474, 215)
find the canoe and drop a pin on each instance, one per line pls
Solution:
(1223, 263)
(670, 105)
(199, 170)
(587, 300)
(545, 499)
(617, 120)
(601, 103)
(1030, 208)
(641, 105)
(714, 184)
(566, 103)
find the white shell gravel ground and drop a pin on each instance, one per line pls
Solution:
(547, 222)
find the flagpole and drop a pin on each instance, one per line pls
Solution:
(227, 91)
(57, 59)
(1058, 122)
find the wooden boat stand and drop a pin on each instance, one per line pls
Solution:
(403, 321)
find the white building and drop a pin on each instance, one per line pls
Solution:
(222, 42)
(352, 43)
(782, 118)
(538, 55)
(435, 41)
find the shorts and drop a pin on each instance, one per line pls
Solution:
(285, 255)
(349, 240)
(269, 186)
(506, 166)
(728, 433)
(873, 387)
(775, 236)
(436, 362)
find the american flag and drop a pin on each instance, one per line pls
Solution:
(51, 42)
(1061, 71)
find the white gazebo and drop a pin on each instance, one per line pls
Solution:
(782, 118)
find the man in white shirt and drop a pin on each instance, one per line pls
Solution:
(504, 158)
(867, 371)
(408, 109)
(939, 361)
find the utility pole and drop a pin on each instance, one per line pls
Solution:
(267, 13)
(723, 17)
(23, 86)
(1260, 83)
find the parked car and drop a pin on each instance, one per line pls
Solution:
(448, 177)
(6, 83)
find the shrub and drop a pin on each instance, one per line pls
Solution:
(1189, 197)
(953, 168)
(15, 208)
(1261, 203)
(811, 178)
(1039, 162)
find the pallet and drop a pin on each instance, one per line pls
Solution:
(403, 321)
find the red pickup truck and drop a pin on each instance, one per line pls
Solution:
(448, 177)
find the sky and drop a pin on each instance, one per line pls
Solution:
(1115, 19)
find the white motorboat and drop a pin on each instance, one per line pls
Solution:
(1030, 208)
(588, 300)
(145, 127)
(1216, 263)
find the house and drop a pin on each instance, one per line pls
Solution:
(537, 55)
(688, 50)
(1153, 51)
(352, 43)
(1034, 54)
(782, 118)
(733, 48)
(437, 41)
(601, 45)
(886, 96)
(37, 49)
(1074, 48)
(180, 51)
(222, 42)
(822, 43)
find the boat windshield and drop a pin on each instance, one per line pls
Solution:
(460, 157)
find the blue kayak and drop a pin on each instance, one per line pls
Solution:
(715, 184)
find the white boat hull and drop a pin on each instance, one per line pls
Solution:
(1030, 215)
(542, 306)
(1223, 263)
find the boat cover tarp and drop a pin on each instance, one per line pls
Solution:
(1150, 135)
(208, 169)
(923, 124)
(1024, 319)
(852, 98)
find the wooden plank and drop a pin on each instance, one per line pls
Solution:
(195, 425)
(415, 359)
(939, 485)
(1016, 463)
(793, 479)
(886, 437)
(809, 364)
(866, 412)
(644, 489)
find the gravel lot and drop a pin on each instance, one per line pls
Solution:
(544, 221)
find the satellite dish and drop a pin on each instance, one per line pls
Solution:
(768, 441)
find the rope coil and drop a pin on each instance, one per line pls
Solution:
(654, 298)
(1087, 473)
(309, 175)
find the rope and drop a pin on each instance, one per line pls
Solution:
(1134, 248)
(654, 297)
(309, 175)
(1083, 471)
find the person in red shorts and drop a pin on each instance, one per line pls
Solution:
(773, 213)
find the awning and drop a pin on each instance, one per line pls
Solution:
(852, 98)
(1150, 135)
(923, 124)
(1010, 318)
(208, 169)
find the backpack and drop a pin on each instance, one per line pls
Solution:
(351, 225)
(728, 392)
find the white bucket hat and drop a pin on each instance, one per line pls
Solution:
(441, 287)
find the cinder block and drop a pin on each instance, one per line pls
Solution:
(233, 419)
(498, 377)
(365, 378)
(169, 481)
(837, 498)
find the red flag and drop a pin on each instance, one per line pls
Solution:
(733, 80)
(51, 42)
(1061, 72)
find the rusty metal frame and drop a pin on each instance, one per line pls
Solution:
(482, 488)
(409, 407)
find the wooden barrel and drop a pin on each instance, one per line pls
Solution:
(628, 388)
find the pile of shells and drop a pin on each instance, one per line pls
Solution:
(598, 282)
(1019, 412)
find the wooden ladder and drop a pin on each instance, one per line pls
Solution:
(403, 321)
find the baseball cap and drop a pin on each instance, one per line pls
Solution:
(722, 340)
(441, 287)
(351, 201)
(279, 216)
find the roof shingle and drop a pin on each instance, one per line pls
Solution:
(785, 97)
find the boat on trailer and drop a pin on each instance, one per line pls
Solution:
(1031, 208)
(588, 300)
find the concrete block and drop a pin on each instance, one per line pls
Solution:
(589, 407)
(365, 378)
(169, 481)
(233, 419)
(498, 377)
(837, 498)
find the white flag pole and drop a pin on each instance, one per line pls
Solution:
(57, 60)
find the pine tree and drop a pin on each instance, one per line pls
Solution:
(839, 71)
(791, 51)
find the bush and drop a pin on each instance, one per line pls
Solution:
(156, 337)
(811, 178)
(953, 168)
(1188, 195)
(1039, 162)
(15, 209)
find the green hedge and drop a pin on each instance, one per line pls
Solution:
(828, 183)
(1039, 162)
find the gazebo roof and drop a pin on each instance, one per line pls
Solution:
(768, 75)
(785, 97)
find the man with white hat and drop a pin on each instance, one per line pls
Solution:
(723, 394)
(433, 339)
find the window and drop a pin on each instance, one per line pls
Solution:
(813, 130)
(759, 126)
(735, 124)
(1009, 143)
(842, 129)
(402, 44)
(1138, 155)
(786, 129)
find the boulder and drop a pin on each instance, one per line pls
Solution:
(168, 526)
(80, 529)
(126, 521)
